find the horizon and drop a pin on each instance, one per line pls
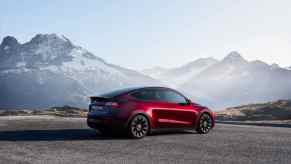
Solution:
(157, 33)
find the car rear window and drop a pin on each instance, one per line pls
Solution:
(115, 93)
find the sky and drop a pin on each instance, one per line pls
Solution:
(166, 33)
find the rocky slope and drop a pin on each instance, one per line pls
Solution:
(277, 110)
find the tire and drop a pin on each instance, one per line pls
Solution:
(138, 127)
(205, 124)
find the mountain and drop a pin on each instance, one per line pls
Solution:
(277, 110)
(182, 74)
(154, 72)
(234, 81)
(50, 70)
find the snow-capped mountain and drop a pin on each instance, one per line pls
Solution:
(177, 76)
(50, 70)
(154, 72)
(235, 81)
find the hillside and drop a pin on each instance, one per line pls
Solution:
(64, 111)
(277, 110)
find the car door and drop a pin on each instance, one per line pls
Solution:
(173, 110)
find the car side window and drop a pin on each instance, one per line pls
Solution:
(171, 97)
(146, 95)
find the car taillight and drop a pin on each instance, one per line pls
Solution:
(112, 104)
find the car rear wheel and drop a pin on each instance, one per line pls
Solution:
(205, 124)
(138, 126)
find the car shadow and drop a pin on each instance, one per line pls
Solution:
(51, 135)
(68, 135)
(172, 132)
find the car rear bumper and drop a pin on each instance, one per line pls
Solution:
(109, 121)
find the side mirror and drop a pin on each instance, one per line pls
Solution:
(188, 102)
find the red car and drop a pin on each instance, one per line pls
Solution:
(139, 111)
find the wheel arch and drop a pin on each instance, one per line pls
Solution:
(210, 113)
(139, 113)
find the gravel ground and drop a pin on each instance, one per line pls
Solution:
(46, 140)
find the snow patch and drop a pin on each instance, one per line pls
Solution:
(21, 64)
(63, 38)
(51, 68)
(6, 47)
(81, 63)
(16, 71)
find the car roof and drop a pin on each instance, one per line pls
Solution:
(123, 91)
(149, 87)
(133, 89)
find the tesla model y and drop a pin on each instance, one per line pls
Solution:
(140, 111)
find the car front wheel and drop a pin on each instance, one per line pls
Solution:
(205, 124)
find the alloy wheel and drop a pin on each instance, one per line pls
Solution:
(139, 126)
(205, 124)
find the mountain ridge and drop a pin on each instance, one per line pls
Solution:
(182, 73)
(235, 80)
(49, 70)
